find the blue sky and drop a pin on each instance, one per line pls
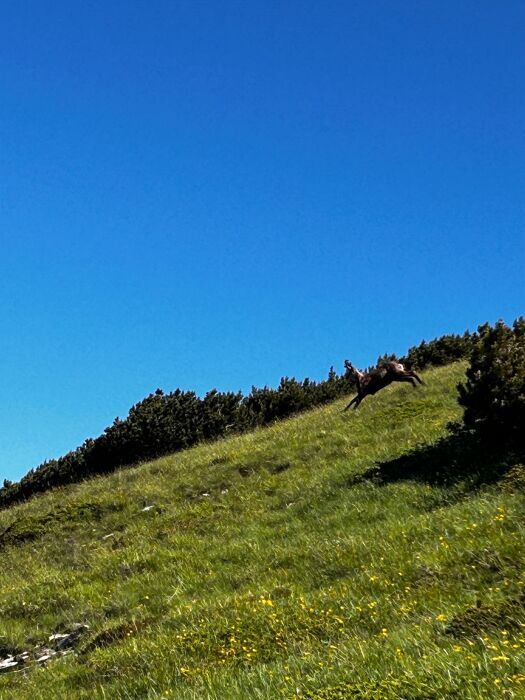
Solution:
(217, 194)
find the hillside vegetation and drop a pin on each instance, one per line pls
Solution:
(332, 555)
(163, 423)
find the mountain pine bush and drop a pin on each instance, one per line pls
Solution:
(493, 396)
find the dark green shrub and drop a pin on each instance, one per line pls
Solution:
(493, 395)
(440, 351)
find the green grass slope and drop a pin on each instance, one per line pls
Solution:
(271, 565)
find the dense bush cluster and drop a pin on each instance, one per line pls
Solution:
(493, 395)
(435, 353)
(164, 423)
(440, 351)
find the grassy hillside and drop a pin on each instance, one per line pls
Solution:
(277, 564)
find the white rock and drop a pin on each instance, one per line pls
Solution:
(57, 637)
(7, 664)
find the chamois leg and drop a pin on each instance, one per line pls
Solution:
(411, 373)
(355, 400)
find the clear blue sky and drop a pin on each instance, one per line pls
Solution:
(219, 193)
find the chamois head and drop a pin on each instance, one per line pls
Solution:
(352, 371)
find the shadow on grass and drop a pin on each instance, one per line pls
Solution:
(457, 457)
(507, 615)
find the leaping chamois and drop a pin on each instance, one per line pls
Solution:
(369, 383)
